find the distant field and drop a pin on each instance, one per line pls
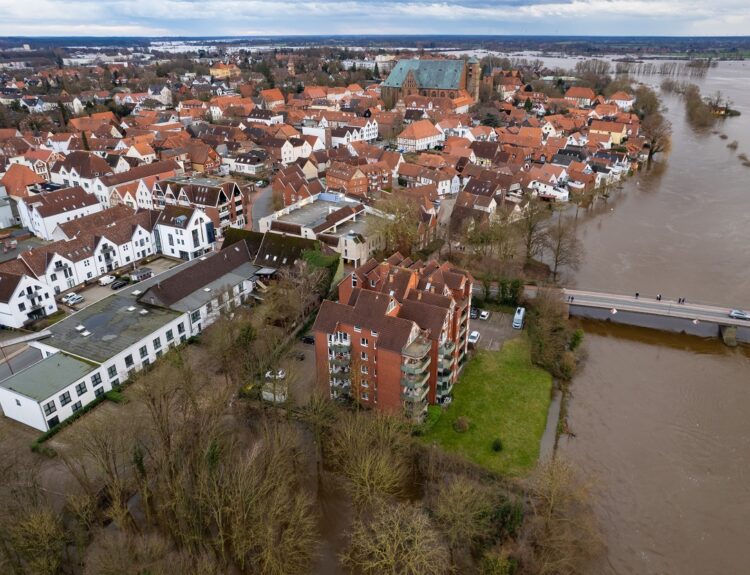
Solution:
(503, 396)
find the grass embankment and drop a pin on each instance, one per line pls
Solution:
(503, 396)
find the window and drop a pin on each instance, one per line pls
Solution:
(53, 277)
(171, 239)
(96, 379)
(50, 408)
(365, 396)
(373, 333)
(53, 422)
(115, 383)
(129, 361)
(81, 388)
(76, 406)
(363, 356)
(157, 343)
(143, 351)
(112, 371)
(364, 369)
(354, 280)
(159, 353)
(170, 335)
(364, 342)
(98, 391)
(21, 307)
(180, 328)
(65, 398)
(357, 328)
(18, 403)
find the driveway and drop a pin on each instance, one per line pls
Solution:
(495, 331)
(94, 292)
(262, 205)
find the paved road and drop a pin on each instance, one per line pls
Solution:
(262, 205)
(648, 304)
(18, 362)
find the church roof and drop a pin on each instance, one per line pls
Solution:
(439, 74)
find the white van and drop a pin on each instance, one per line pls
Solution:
(519, 318)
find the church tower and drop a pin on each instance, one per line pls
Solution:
(473, 77)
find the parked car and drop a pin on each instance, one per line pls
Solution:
(484, 315)
(64, 299)
(474, 313)
(474, 338)
(308, 339)
(119, 284)
(106, 280)
(739, 314)
(519, 318)
(74, 299)
(276, 374)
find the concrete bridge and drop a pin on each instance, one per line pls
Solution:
(667, 315)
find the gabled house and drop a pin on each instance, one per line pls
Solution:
(41, 213)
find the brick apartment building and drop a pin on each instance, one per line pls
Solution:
(397, 338)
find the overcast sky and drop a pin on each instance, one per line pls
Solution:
(277, 17)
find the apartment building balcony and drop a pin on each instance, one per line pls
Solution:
(415, 382)
(418, 348)
(340, 359)
(444, 388)
(447, 348)
(340, 384)
(415, 405)
(340, 345)
(416, 367)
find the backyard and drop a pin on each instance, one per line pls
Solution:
(501, 396)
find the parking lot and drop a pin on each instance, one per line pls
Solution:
(495, 330)
(94, 292)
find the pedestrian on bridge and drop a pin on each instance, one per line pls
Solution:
(658, 297)
(636, 295)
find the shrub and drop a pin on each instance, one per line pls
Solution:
(497, 445)
(576, 339)
(461, 425)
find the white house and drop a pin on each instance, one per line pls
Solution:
(420, 135)
(184, 233)
(41, 213)
(23, 298)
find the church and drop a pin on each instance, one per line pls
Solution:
(432, 78)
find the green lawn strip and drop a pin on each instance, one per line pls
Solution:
(504, 396)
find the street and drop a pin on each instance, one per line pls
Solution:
(262, 205)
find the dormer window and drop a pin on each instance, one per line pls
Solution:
(354, 280)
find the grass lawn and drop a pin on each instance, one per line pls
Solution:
(504, 396)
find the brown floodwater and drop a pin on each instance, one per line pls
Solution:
(660, 420)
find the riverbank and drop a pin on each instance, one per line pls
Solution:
(501, 396)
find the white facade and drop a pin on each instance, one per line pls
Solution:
(188, 242)
(44, 227)
(31, 297)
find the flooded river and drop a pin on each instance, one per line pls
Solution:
(660, 420)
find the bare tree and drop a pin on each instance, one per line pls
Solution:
(561, 530)
(463, 512)
(658, 132)
(532, 227)
(398, 539)
(561, 240)
(370, 452)
(400, 227)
